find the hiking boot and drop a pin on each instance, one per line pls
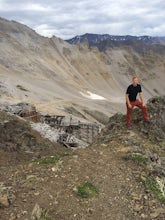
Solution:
(129, 127)
(147, 123)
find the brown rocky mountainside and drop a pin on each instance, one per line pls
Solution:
(60, 78)
(120, 176)
(43, 83)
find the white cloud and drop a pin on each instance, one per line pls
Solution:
(45, 30)
(66, 19)
(23, 6)
(35, 7)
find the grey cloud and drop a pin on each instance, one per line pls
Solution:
(66, 19)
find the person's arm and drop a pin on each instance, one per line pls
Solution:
(142, 98)
(127, 100)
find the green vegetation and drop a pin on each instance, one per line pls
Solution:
(152, 186)
(32, 179)
(87, 190)
(52, 159)
(137, 157)
(44, 215)
(47, 160)
(113, 135)
(66, 153)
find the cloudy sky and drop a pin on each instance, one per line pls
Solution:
(68, 18)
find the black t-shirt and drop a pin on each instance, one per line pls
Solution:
(133, 91)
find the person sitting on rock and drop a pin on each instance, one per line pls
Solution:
(131, 101)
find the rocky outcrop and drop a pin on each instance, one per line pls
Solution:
(156, 108)
(154, 130)
(17, 135)
(143, 144)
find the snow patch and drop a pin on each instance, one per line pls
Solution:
(93, 96)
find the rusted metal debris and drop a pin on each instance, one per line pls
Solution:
(72, 132)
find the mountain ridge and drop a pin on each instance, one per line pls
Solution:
(96, 38)
(104, 41)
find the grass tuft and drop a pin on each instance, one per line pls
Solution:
(136, 157)
(87, 190)
(47, 160)
(44, 215)
(152, 186)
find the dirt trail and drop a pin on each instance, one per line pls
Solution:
(54, 189)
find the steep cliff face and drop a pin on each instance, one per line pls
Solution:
(57, 76)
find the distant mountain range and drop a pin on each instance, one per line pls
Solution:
(102, 41)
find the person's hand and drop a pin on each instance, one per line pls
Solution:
(143, 104)
(129, 106)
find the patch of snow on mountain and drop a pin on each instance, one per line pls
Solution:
(93, 96)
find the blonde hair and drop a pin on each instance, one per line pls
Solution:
(135, 77)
